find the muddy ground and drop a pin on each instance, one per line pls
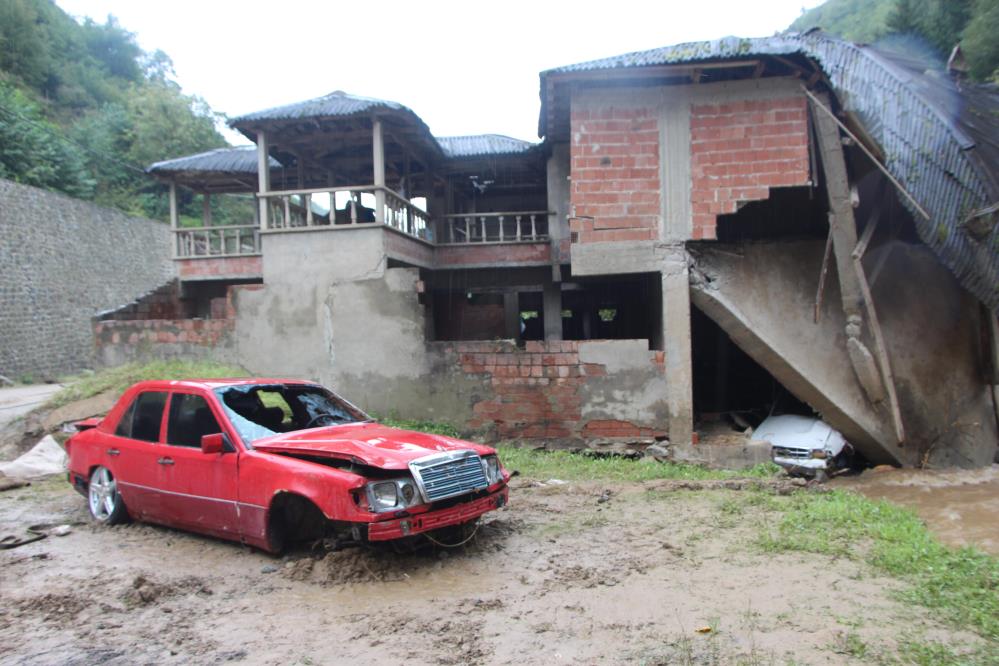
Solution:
(557, 577)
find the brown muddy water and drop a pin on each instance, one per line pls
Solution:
(960, 506)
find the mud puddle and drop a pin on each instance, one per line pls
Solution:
(959, 506)
(608, 573)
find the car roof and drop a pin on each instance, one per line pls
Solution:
(211, 384)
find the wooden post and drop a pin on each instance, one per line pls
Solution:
(263, 177)
(173, 217)
(876, 379)
(378, 159)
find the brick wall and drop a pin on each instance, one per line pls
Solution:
(615, 172)
(136, 334)
(739, 150)
(220, 267)
(62, 261)
(546, 391)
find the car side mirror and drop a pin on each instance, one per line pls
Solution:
(214, 443)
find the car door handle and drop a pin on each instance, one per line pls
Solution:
(113, 452)
(165, 461)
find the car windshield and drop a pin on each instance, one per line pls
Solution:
(262, 410)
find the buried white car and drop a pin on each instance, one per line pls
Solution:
(803, 445)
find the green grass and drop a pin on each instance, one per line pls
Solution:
(962, 583)
(434, 427)
(577, 467)
(120, 378)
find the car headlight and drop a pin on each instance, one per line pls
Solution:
(491, 468)
(384, 495)
(392, 494)
(819, 453)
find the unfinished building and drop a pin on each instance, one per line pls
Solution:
(707, 233)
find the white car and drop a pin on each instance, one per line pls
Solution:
(803, 445)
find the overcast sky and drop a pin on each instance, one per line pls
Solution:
(464, 67)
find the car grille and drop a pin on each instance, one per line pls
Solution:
(781, 452)
(449, 474)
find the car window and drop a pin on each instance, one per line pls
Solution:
(258, 411)
(190, 418)
(144, 416)
(124, 428)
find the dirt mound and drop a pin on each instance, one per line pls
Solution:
(144, 591)
(62, 608)
(454, 641)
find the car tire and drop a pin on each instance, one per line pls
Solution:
(103, 499)
(821, 476)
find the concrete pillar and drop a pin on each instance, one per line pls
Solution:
(552, 309)
(511, 311)
(263, 176)
(558, 203)
(378, 159)
(676, 343)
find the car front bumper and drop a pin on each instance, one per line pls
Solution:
(386, 530)
(805, 465)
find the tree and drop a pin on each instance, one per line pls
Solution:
(33, 152)
(980, 40)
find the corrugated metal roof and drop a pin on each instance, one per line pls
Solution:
(483, 144)
(925, 145)
(335, 104)
(242, 159)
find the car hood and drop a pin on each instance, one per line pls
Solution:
(790, 431)
(366, 443)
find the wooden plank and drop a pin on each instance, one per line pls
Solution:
(882, 352)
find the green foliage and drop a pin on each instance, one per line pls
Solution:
(855, 20)
(101, 108)
(120, 378)
(980, 41)
(962, 583)
(942, 23)
(29, 155)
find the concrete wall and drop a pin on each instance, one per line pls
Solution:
(62, 261)
(763, 296)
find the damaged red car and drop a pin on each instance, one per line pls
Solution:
(272, 462)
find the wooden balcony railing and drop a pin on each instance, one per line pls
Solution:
(516, 227)
(297, 209)
(221, 241)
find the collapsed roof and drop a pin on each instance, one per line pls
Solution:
(936, 135)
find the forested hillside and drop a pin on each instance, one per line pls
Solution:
(942, 23)
(83, 109)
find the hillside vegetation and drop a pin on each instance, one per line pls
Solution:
(83, 109)
(941, 23)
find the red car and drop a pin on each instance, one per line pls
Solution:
(271, 462)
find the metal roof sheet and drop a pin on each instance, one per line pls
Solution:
(335, 104)
(241, 159)
(483, 144)
(941, 147)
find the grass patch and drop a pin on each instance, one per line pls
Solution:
(962, 583)
(433, 427)
(577, 467)
(120, 378)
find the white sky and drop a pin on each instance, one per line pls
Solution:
(464, 67)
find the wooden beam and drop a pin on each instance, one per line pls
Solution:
(854, 288)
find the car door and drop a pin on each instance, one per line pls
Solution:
(131, 453)
(199, 489)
